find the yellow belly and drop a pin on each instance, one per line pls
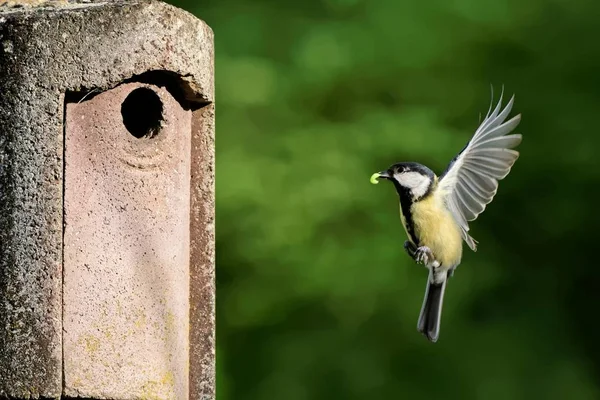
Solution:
(435, 228)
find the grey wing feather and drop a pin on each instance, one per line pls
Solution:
(471, 180)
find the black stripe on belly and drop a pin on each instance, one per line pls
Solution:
(406, 205)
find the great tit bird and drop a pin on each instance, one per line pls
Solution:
(435, 211)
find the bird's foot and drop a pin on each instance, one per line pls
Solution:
(424, 255)
(410, 248)
(421, 255)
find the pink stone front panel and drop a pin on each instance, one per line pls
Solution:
(126, 251)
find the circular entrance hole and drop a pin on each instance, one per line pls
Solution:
(142, 113)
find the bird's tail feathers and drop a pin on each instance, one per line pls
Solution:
(431, 311)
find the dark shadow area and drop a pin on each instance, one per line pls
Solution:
(174, 83)
(142, 113)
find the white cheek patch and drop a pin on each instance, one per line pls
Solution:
(416, 182)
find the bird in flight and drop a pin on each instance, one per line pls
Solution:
(436, 211)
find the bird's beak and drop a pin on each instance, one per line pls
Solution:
(377, 175)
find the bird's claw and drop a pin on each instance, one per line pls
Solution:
(423, 255)
(410, 248)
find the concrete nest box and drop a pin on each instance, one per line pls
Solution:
(106, 201)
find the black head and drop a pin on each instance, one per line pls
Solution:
(411, 179)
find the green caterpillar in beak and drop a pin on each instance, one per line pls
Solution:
(374, 177)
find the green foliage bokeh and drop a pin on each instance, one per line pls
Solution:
(315, 296)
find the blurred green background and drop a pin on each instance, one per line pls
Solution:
(316, 297)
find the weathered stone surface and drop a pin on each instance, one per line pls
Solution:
(126, 287)
(46, 51)
(202, 266)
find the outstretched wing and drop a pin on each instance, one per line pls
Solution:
(471, 180)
